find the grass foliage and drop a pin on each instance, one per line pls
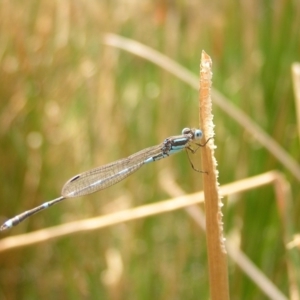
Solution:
(70, 103)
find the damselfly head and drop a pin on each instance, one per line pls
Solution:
(186, 130)
(196, 133)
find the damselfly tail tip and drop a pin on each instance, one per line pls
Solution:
(5, 225)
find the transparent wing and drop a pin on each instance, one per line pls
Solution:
(107, 175)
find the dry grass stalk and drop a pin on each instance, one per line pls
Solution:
(217, 257)
(92, 224)
(296, 84)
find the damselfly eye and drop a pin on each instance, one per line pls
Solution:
(198, 134)
(186, 130)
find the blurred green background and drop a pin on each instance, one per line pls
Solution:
(70, 103)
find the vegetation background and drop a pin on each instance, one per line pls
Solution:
(70, 103)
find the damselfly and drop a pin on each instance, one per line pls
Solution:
(108, 175)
